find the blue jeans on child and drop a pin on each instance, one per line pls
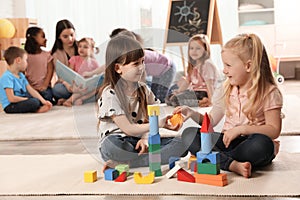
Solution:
(122, 149)
(258, 149)
(26, 106)
(59, 91)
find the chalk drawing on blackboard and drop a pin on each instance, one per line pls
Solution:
(188, 17)
(184, 11)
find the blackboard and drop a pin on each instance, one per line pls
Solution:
(187, 18)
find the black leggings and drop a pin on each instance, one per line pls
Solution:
(258, 149)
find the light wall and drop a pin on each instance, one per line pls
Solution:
(97, 18)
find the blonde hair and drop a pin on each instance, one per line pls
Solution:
(204, 42)
(249, 47)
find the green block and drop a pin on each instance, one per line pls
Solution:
(157, 173)
(122, 168)
(208, 168)
(154, 148)
(154, 166)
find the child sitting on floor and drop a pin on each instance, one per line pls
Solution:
(16, 95)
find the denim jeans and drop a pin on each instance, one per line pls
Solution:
(48, 95)
(161, 85)
(258, 149)
(59, 91)
(122, 149)
(26, 106)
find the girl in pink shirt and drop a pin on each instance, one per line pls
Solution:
(84, 62)
(40, 66)
(198, 86)
(251, 103)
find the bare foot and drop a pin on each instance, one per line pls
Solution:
(78, 102)
(276, 146)
(60, 102)
(241, 168)
(44, 108)
(110, 164)
(68, 103)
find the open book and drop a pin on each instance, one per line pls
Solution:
(69, 75)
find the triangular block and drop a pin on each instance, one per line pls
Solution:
(183, 175)
(122, 177)
(206, 127)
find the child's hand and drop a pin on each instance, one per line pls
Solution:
(230, 135)
(185, 110)
(142, 146)
(204, 102)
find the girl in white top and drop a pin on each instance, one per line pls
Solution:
(123, 100)
(251, 103)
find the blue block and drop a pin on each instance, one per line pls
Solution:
(172, 161)
(111, 174)
(153, 122)
(213, 157)
(206, 142)
(154, 139)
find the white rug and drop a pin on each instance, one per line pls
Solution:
(80, 122)
(63, 175)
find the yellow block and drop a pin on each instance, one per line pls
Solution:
(140, 179)
(90, 176)
(153, 110)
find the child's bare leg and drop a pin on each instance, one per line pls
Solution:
(241, 168)
(43, 108)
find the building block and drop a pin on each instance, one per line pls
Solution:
(122, 168)
(110, 174)
(140, 179)
(176, 119)
(208, 168)
(122, 177)
(90, 176)
(191, 159)
(153, 122)
(221, 182)
(206, 127)
(154, 139)
(153, 110)
(206, 143)
(154, 158)
(172, 161)
(219, 177)
(183, 175)
(213, 157)
(154, 148)
(193, 166)
(173, 170)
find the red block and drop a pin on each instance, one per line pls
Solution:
(206, 126)
(122, 177)
(183, 175)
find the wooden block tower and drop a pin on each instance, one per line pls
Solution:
(154, 140)
(208, 162)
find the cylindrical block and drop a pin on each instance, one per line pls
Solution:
(153, 122)
(206, 142)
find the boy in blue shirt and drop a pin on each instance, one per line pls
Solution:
(16, 95)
